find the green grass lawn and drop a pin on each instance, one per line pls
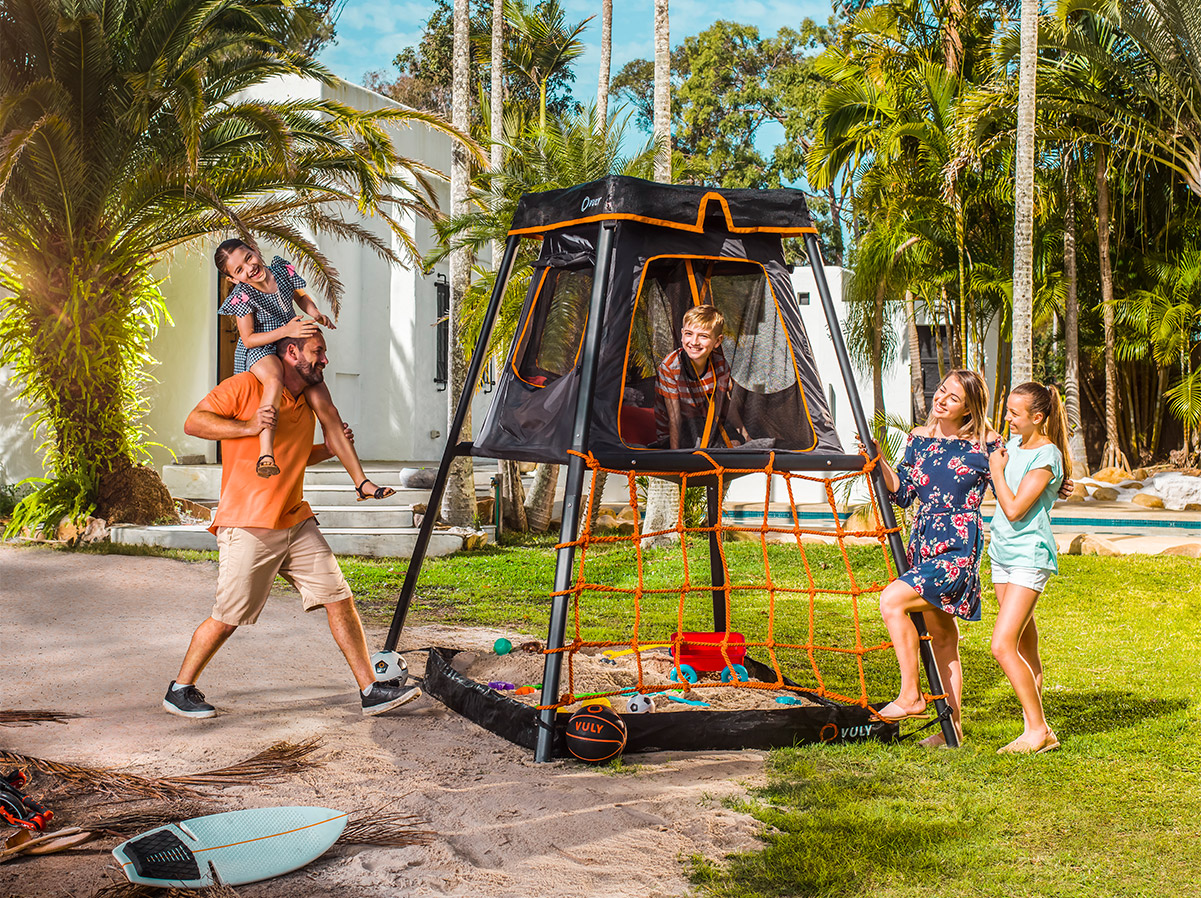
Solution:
(1117, 811)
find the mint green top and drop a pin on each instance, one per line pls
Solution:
(1027, 542)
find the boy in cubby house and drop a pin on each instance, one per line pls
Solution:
(693, 383)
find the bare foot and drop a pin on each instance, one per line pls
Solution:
(896, 711)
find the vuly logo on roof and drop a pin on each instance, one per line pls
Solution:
(590, 202)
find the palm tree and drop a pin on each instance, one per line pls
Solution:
(662, 496)
(1071, 323)
(606, 59)
(125, 131)
(662, 106)
(545, 44)
(1023, 200)
(458, 502)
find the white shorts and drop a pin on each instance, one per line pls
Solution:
(1034, 578)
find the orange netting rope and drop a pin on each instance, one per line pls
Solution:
(729, 646)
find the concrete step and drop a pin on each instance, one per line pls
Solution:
(376, 542)
(360, 515)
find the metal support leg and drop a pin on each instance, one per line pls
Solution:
(570, 528)
(717, 572)
(879, 492)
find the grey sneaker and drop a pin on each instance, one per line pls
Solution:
(187, 702)
(388, 695)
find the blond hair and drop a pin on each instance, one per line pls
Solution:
(975, 399)
(705, 316)
(1045, 401)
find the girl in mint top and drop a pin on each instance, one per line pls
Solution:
(1026, 474)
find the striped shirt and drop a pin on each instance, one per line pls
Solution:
(677, 379)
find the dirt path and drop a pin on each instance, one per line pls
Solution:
(103, 635)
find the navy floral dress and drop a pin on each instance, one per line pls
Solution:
(949, 478)
(270, 310)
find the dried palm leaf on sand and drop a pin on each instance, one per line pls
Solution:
(134, 890)
(18, 718)
(130, 823)
(279, 760)
(101, 779)
(388, 829)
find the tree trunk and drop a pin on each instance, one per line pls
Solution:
(917, 384)
(878, 349)
(961, 330)
(540, 503)
(458, 503)
(1071, 329)
(1112, 456)
(662, 511)
(662, 114)
(606, 61)
(1023, 202)
(512, 495)
(1001, 385)
(592, 505)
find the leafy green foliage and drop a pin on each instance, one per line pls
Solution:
(40, 512)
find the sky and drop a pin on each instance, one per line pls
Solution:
(372, 32)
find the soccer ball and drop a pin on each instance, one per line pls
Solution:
(389, 666)
(640, 704)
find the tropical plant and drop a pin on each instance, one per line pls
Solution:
(125, 131)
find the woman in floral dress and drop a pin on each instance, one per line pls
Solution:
(945, 469)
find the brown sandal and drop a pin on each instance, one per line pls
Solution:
(266, 466)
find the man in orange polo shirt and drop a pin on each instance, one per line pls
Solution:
(264, 527)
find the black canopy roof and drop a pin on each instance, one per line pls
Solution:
(739, 211)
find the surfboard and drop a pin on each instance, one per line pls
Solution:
(233, 848)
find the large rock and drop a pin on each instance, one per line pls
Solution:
(1147, 500)
(1112, 475)
(1188, 550)
(1091, 544)
(418, 478)
(1105, 494)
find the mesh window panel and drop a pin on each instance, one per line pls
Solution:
(554, 330)
(765, 405)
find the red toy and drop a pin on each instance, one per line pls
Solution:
(698, 653)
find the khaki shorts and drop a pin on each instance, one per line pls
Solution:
(250, 557)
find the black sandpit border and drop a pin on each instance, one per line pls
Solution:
(678, 731)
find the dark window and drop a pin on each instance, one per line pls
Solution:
(802, 299)
(442, 337)
(928, 354)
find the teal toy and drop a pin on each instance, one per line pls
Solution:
(502, 646)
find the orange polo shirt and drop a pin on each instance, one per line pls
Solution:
(248, 500)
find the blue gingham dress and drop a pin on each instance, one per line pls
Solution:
(270, 310)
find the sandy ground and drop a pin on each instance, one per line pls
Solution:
(103, 635)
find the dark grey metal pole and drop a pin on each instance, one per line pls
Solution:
(879, 491)
(717, 572)
(453, 448)
(573, 489)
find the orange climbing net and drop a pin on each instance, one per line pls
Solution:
(798, 614)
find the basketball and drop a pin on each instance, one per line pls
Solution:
(595, 734)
